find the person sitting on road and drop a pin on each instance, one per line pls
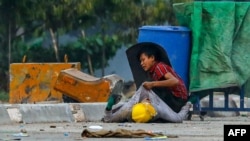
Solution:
(166, 92)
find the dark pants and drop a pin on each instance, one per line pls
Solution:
(175, 103)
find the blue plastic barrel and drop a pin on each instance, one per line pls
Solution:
(175, 40)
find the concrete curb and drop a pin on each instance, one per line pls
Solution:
(72, 112)
(5, 119)
(45, 113)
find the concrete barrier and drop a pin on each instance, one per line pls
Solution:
(32, 113)
(75, 112)
(93, 111)
(4, 115)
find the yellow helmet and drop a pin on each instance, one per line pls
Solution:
(143, 112)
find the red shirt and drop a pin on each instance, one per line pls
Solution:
(157, 73)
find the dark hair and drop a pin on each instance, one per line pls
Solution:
(149, 51)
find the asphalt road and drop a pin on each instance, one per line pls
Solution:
(211, 129)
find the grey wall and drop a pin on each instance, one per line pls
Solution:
(118, 65)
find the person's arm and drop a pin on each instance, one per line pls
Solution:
(170, 81)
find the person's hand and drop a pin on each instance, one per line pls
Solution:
(147, 85)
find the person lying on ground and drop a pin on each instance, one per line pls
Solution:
(166, 92)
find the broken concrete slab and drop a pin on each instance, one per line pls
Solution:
(77, 112)
(93, 111)
(15, 114)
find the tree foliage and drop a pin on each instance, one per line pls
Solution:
(34, 28)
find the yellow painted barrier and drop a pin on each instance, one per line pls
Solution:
(83, 87)
(34, 82)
